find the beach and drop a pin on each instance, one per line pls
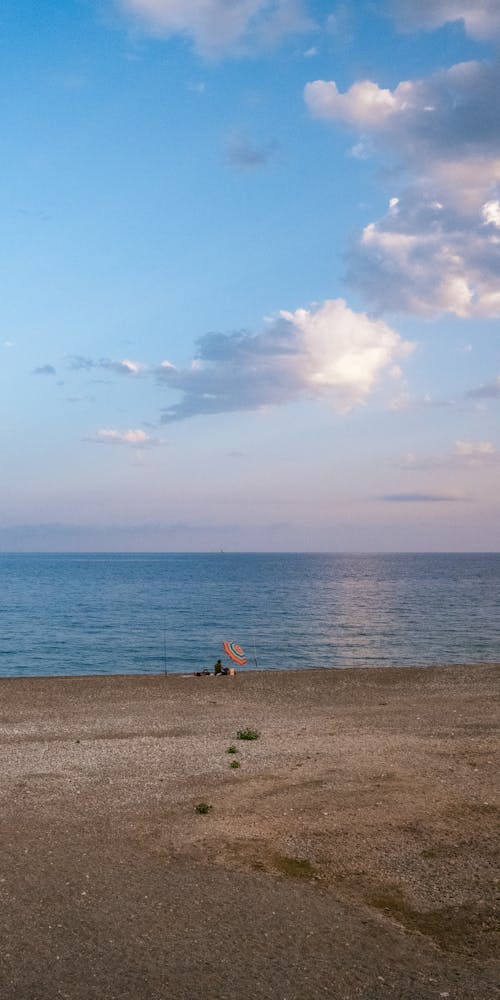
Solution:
(352, 853)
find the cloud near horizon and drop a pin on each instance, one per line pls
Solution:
(489, 390)
(421, 498)
(437, 249)
(131, 438)
(475, 450)
(217, 27)
(465, 455)
(328, 353)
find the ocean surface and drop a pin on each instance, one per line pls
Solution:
(133, 613)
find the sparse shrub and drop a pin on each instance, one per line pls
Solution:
(203, 808)
(234, 763)
(231, 749)
(248, 734)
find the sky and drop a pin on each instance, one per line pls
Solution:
(250, 264)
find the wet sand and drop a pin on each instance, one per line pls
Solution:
(353, 853)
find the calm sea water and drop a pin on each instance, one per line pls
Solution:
(104, 614)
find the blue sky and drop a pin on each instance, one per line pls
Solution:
(251, 275)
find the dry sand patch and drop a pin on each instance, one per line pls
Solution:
(369, 793)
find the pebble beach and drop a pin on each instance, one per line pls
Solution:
(353, 852)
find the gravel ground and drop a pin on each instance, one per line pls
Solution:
(353, 853)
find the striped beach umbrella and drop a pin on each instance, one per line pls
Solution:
(235, 652)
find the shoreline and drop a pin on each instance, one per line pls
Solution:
(249, 671)
(365, 817)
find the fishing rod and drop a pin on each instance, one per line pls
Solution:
(255, 653)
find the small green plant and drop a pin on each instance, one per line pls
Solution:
(231, 749)
(248, 734)
(234, 763)
(203, 808)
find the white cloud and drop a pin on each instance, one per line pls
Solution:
(425, 260)
(132, 438)
(491, 213)
(474, 449)
(420, 270)
(481, 18)
(134, 367)
(364, 104)
(218, 26)
(437, 248)
(449, 117)
(343, 353)
(327, 352)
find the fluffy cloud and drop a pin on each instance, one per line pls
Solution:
(491, 213)
(438, 247)
(327, 352)
(481, 18)
(132, 438)
(424, 257)
(364, 104)
(449, 115)
(219, 26)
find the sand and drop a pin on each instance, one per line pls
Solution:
(353, 853)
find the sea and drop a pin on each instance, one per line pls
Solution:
(70, 614)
